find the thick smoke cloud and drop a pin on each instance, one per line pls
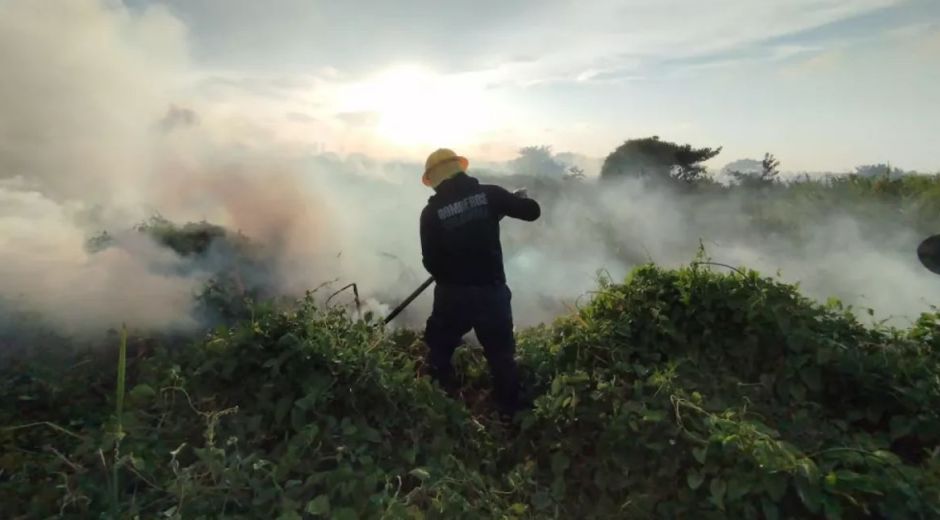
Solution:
(97, 133)
(46, 268)
(81, 85)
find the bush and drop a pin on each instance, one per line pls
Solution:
(679, 393)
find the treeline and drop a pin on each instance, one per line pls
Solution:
(877, 195)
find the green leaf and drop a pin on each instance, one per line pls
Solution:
(372, 435)
(518, 508)
(858, 482)
(281, 408)
(812, 377)
(718, 488)
(887, 456)
(700, 454)
(344, 513)
(541, 500)
(809, 493)
(559, 463)
(319, 505)
(737, 488)
(142, 392)
(558, 488)
(420, 474)
(297, 419)
(694, 479)
(776, 486)
(901, 426)
(832, 508)
(798, 392)
(770, 510)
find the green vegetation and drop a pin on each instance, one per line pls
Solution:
(658, 160)
(237, 270)
(677, 394)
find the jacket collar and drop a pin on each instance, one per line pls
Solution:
(459, 182)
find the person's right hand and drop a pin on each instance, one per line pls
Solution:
(522, 193)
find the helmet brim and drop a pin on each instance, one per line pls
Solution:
(462, 161)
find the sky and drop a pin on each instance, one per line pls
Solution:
(825, 85)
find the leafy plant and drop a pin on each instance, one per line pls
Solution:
(678, 393)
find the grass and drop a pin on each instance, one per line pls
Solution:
(119, 423)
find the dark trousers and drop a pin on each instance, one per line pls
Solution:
(488, 311)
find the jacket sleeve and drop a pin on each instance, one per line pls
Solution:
(430, 255)
(510, 205)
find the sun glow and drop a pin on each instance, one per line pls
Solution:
(412, 106)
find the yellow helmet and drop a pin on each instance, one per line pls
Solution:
(442, 165)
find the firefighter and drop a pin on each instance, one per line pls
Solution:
(461, 249)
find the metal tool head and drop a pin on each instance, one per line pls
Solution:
(929, 253)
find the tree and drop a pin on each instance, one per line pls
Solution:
(769, 167)
(663, 160)
(879, 170)
(537, 161)
(574, 173)
(751, 166)
(767, 175)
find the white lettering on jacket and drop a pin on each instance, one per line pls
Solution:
(470, 208)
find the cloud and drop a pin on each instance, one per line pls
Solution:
(359, 118)
(299, 117)
(536, 40)
(263, 85)
(530, 65)
(631, 40)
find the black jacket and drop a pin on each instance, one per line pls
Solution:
(460, 230)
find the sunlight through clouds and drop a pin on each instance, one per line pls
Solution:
(413, 106)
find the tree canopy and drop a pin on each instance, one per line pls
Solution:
(537, 161)
(767, 174)
(651, 157)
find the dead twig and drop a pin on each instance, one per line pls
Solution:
(355, 289)
(719, 264)
(43, 423)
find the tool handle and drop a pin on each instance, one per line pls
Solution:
(409, 299)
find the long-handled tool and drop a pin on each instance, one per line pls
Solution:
(521, 192)
(409, 299)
